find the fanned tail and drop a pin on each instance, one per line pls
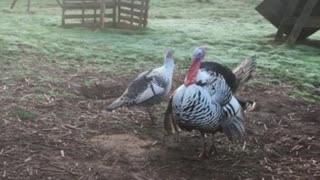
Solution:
(245, 70)
(233, 128)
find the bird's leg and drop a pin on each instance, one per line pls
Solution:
(204, 154)
(151, 115)
(213, 149)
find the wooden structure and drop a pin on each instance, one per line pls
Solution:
(297, 19)
(130, 14)
(15, 1)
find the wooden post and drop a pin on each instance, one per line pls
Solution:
(103, 7)
(301, 21)
(59, 3)
(63, 12)
(114, 13)
(146, 13)
(95, 13)
(82, 14)
(141, 15)
(119, 7)
(13, 4)
(29, 4)
(291, 7)
(131, 17)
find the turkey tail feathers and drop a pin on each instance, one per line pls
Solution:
(233, 128)
(245, 70)
(116, 104)
(170, 124)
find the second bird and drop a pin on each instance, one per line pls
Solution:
(149, 88)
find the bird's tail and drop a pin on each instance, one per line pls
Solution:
(116, 104)
(233, 128)
(245, 70)
(169, 122)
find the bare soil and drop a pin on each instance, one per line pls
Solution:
(52, 136)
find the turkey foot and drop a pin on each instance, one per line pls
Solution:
(213, 150)
(203, 154)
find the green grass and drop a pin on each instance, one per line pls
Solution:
(31, 45)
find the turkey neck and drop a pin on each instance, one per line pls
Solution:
(193, 72)
(169, 65)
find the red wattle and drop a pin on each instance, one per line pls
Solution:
(192, 73)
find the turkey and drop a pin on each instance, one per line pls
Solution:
(149, 88)
(206, 101)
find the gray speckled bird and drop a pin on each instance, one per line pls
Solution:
(149, 88)
(205, 102)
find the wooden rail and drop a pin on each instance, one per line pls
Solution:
(103, 13)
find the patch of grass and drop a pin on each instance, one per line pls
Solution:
(34, 45)
(24, 114)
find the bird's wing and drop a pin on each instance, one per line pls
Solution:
(147, 85)
(223, 94)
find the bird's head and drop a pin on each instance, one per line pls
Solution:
(168, 58)
(199, 54)
(197, 57)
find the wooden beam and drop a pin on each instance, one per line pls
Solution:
(103, 7)
(29, 4)
(300, 24)
(59, 3)
(291, 7)
(13, 4)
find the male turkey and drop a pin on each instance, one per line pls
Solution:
(205, 102)
(149, 88)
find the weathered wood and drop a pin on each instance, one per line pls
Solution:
(133, 20)
(146, 13)
(29, 4)
(129, 5)
(305, 15)
(13, 4)
(131, 11)
(289, 12)
(103, 7)
(313, 22)
(58, 1)
(114, 12)
(278, 12)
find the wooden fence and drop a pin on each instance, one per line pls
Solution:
(297, 19)
(130, 14)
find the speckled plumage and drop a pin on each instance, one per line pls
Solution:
(208, 104)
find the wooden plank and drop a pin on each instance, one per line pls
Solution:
(95, 13)
(63, 12)
(128, 12)
(146, 14)
(126, 18)
(29, 4)
(131, 13)
(103, 7)
(13, 4)
(80, 16)
(79, 6)
(313, 22)
(114, 13)
(83, 8)
(291, 7)
(305, 14)
(126, 4)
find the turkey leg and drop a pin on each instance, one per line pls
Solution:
(203, 154)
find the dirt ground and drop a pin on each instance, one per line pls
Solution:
(45, 136)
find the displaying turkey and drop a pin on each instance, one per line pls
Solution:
(149, 88)
(206, 101)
